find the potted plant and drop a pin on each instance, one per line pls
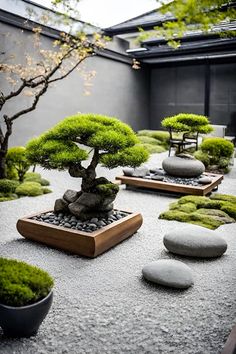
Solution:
(25, 297)
(77, 138)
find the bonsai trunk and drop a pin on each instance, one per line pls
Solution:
(96, 196)
(3, 154)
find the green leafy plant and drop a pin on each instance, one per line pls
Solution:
(36, 177)
(22, 284)
(16, 160)
(211, 212)
(216, 154)
(8, 186)
(188, 122)
(111, 142)
(31, 189)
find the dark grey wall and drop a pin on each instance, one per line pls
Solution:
(176, 89)
(117, 90)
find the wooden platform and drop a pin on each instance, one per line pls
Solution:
(89, 244)
(173, 187)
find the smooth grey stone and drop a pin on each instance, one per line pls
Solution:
(158, 171)
(204, 180)
(183, 167)
(128, 171)
(70, 195)
(67, 225)
(158, 178)
(141, 171)
(195, 241)
(94, 220)
(168, 272)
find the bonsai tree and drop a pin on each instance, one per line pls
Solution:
(107, 140)
(188, 122)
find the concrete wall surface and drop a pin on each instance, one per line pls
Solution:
(117, 90)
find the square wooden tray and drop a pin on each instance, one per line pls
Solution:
(89, 244)
(173, 187)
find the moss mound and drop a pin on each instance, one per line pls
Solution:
(31, 189)
(22, 284)
(36, 177)
(210, 212)
(155, 141)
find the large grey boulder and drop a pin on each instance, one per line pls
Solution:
(168, 272)
(195, 241)
(183, 167)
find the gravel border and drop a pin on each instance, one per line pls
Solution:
(103, 305)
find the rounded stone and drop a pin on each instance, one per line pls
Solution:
(128, 171)
(141, 171)
(168, 272)
(195, 241)
(183, 167)
(204, 180)
(158, 178)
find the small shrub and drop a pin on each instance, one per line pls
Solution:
(36, 177)
(217, 147)
(22, 284)
(8, 186)
(31, 189)
(46, 190)
(44, 182)
(16, 159)
(202, 156)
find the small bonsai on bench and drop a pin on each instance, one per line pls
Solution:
(106, 140)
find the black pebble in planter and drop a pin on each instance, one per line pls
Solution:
(24, 321)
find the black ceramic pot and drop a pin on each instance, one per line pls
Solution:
(24, 321)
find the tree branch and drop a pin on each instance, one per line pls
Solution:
(72, 69)
(33, 106)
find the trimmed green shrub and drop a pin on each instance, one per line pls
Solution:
(17, 160)
(11, 173)
(215, 153)
(36, 177)
(31, 189)
(217, 148)
(46, 190)
(8, 186)
(22, 284)
(210, 212)
(188, 122)
(156, 134)
(149, 140)
(155, 141)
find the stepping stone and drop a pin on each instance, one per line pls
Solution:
(168, 272)
(183, 167)
(195, 241)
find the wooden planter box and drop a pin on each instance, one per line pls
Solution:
(79, 242)
(173, 187)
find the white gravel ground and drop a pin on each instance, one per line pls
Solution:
(103, 305)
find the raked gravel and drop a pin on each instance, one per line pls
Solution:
(103, 305)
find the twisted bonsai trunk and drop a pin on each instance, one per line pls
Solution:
(4, 139)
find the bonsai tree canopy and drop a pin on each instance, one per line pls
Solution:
(110, 142)
(187, 122)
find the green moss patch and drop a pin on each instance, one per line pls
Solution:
(36, 177)
(22, 284)
(211, 212)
